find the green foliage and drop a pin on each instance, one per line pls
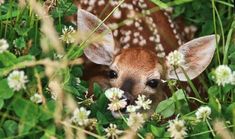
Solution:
(168, 107)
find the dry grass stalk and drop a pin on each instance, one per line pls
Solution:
(70, 103)
(68, 130)
(80, 134)
(39, 85)
(55, 87)
(129, 134)
(221, 130)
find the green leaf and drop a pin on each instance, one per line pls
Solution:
(2, 134)
(179, 94)
(5, 91)
(25, 58)
(227, 88)
(8, 59)
(77, 71)
(22, 31)
(14, 13)
(20, 43)
(10, 127)
(200, 127)
(101, 118)
(25, 109)
(49, 132)
(214, 104)
(102, 102)
(1, 103)
(157, 131)
(46, 113)
(166, 108)
(97, 90)
(230, 110)
(213, 90)
(232, 56)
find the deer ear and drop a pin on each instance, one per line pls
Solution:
(100, 49)
(198, 55)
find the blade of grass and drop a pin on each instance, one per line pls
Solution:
(229, 37)
(225, 3)
(221, 28)
(191, 84)
(215, 29)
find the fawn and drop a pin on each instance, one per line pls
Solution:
(133, 55)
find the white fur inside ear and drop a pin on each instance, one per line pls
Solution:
(101, 50)
(198, 55)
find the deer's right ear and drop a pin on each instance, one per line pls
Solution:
(100, 49)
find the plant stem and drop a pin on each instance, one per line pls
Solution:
(212, 131)
(182, 87)
(191, 84)
(193, 98)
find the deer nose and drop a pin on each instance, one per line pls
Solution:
(127, 87)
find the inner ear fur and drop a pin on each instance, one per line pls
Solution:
(198, 55)
(100, 45)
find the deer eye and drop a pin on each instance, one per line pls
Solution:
(112, 74)
(153, 83)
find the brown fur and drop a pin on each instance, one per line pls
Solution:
(137, 58)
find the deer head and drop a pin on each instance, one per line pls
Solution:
(138, 70)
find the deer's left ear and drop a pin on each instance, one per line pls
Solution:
(198, 54)
(100, 49)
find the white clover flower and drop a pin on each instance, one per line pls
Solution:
(177, 129)
(223, 75)
(36, 98)
(175, 58)
(117, 104)
(114, 93)
(203, 113)
(80, 116)
(16, 80)
(3, 44)
(135, 121)
(112, 131)
(132, 108)
(233, 78)
(68, 34)
(143, 102)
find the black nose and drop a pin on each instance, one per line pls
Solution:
(128, 102)
(128, 85)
